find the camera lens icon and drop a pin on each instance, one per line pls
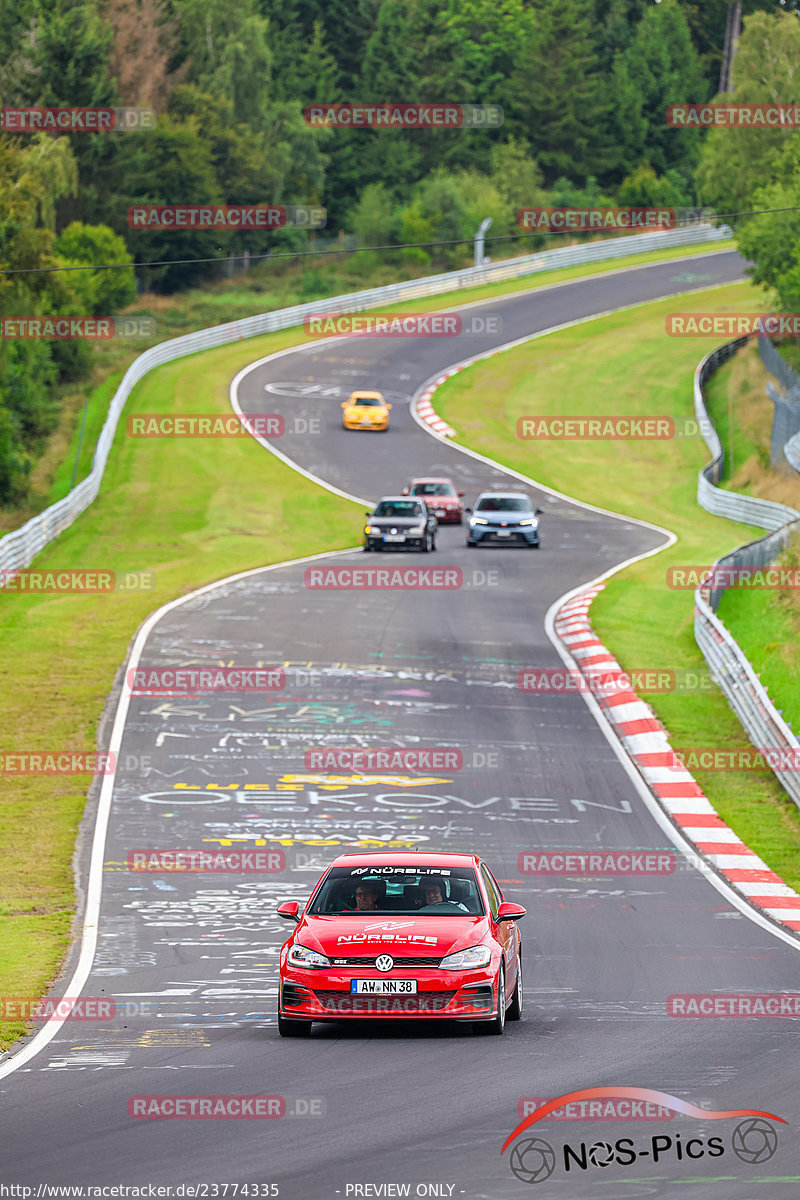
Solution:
(533, 1160)
(754, 1140)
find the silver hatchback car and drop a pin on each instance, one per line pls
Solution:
(503, 519)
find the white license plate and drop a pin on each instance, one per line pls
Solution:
(394, 537)
(503, 532)
(365, 423)
(383, 987)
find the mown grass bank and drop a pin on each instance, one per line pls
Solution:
(765, 623)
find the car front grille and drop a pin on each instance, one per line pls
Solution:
(398, 962)
(398, 1006)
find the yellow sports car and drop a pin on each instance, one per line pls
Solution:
(365, 410)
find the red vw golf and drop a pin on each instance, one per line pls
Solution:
(418, 934)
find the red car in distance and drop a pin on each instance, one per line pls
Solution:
(412, 934)
(441, 497)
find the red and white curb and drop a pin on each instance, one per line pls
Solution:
(645, 741)
(424, 409)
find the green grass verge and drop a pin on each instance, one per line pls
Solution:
(769, 634)
(766, 624)
(191, 513)
(635, 370)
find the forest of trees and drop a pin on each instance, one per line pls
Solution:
(584, 85)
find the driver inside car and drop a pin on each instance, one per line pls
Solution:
(435, 893)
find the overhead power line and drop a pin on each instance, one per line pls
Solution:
(250, 257)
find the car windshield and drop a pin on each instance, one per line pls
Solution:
(367, 401)
(423, 891)
(433, 489)
(398, 508)
(503, 504)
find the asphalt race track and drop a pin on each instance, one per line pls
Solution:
(191, 961)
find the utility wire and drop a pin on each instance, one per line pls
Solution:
(502, 237)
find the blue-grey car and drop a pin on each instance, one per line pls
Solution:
(503, 519)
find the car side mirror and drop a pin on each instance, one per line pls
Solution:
(289, 910)
(539, 512)
(405, 491)
(344, 404)
(508, 911)
(468, 510)
(388, 406)
(461, 493)
(367, 514)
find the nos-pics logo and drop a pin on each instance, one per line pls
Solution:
(753, 1140)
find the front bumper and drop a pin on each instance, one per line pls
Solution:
(366, 427)
(376, 542)
(497, 536)
(325, 996)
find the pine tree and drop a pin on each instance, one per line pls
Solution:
(558, 91)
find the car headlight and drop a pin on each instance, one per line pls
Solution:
(301, 956)
(417, 531)
(465, 960)
(533, 521)
(478, 521)
(371, 529)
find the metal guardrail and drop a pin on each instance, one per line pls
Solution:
(729, 666)
(20, 547)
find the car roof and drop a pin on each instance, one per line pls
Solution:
(431, 479)
(365, 393)
(404, 499)
(503, 495)
(425, 858)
